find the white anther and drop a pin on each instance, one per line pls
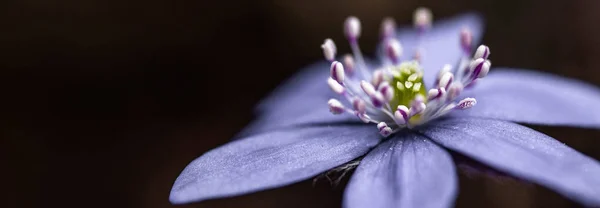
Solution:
(436, 93)
(416, 108)
(454, 90)
(359, 105)
(466, 39)
(335, 86)
(378, 77)
(352, 28)
(349, 63)
(474, 65)
(363, 117)
(422, 18)
(393, 49)
(381, 125)
(484, 69)
(337, 72)
(335, 106)
(388, 27)
(446, 79)
(329, 49)
(466, 103)
(385, 131)
(387, 91)
(482, 52)
(377, 99)
(401, 115)
(367, 88)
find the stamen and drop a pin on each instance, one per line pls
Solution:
(466, 103)
(335, 106)
(335, 86)
(329, 49)
(482, 52)
(436, 93)
(367, 88)
(352, 28)
(363, 117)
(386, 90)
(378, 77)
(359, 105)
(337, 72)
(466, 39)
(388, 28)
(393, 50)
(422, 18)
(349, 62)
(384, 130)
(401, 115)
(416, 108)
(446, 79)
(454, 90)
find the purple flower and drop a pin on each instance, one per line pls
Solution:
(406, 133)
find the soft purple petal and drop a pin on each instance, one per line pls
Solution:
(537, 98)
(271, 160)
(522, 152)
(315, 115)
(305, 90)
(441, 44)
(409, 171)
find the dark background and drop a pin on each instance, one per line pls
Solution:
(105, 102)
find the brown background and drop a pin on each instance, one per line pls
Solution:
(105, 102)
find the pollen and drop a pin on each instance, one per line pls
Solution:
(408, 77)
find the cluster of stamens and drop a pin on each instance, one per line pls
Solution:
(394, 96)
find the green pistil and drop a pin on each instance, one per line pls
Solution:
(407, 80)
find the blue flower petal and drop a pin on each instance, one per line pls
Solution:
(409, 171)
(304, 91)
(536, 98)
(271, 160)
(523, 153)
(441, 45)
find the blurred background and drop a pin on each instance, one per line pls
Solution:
(105, 102)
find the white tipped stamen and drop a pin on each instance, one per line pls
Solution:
(436, 93)
(422, 18)
(329, 49)
(377, 99)
(367, 88)
(335, 86)
(359, 105)
(386, 131)
(466, 103)
(416, 108)
(446, 79)
(393, 50)
(381, 125)
(475, 68)
(466, 39)
(352, 28)
(388, 28)
(484, 69)
(335, 106)
(363, 117)
(482, 52)
(454, 90)
(401, 115)
(337, 72)
(387, 91)
(349, 63)
(378, 77)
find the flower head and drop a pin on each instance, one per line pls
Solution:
(393, 95)
(419, 112)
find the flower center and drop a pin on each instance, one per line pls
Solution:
(408, 82)
(396, 97)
